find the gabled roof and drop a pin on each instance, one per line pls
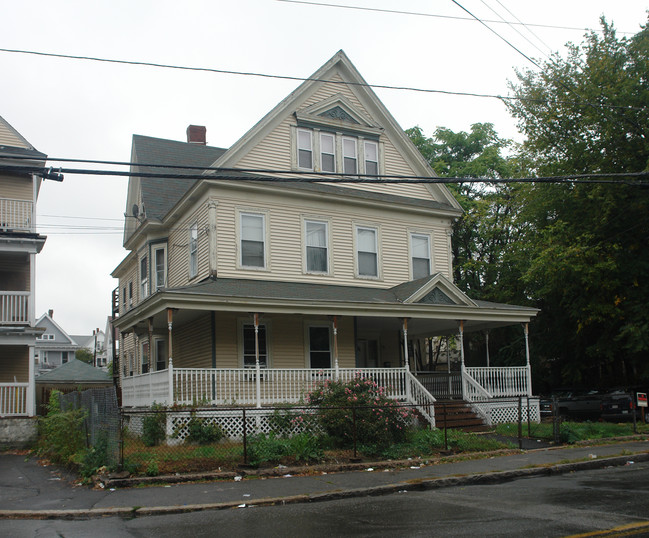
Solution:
(13, 143)
(75, 371)
(46, 319)
(159, 194)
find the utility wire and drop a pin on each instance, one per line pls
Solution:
(299, 79)
(419, 14)
(629, 178)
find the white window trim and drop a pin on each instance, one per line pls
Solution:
(248, 321)
(154, 270)
(192, 249)
(266, 234)
(307, 343)
(157, 340)
(327, 223)
(379, 271)
(144, 279)
(356, 156)
(411, 264)
(297, 146)
(320, 152)
(365, 159)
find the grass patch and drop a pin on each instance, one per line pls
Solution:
(572, 432)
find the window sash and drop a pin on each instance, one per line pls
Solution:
(143, 277)
(160, 268)
(304, 149)
(350, 156)
(366, 246)
(253, 241)
(193, 250)
(160, 354)
(316, 247)
(319, 347)
(371, 158)
(249, 355)
(420, 251)
(327, 152)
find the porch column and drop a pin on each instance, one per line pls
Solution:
(527, 358)
(448, 369)
(487, 344)
(149, 358)
(211, 218)
(335, 326)
(461, 336)
(405, 358)
(31, 388)
(257, 367)
(170, 368)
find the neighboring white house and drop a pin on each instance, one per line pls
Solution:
(95, 344)
(54, 346)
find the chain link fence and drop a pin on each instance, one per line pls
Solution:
(102, 419)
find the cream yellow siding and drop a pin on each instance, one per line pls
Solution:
(192, 343)
(178, 248)
(286, 246)
(16, 188)
(14, 364)
(274, 151)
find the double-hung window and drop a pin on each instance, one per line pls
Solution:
(319, 347)
(367, 251)
(327, 152)
(250, 346)
(144, 278)
(144, 357)
(371, 150)
(160, 269)
(130, 294)
(317, 256)
(160, 347)
(420, 252)
(193, 250)
(350, 156)
(304, 149)
(253, 236)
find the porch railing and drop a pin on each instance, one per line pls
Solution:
(14, 307)
(502, 382)
(13, 399)
(16, 214)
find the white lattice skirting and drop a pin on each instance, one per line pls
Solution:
(499, 412)
(230, 421)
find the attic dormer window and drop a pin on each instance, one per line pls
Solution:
(305, 149)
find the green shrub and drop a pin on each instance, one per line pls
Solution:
(61, 433)
(154, 426)
(202, 432)
(152, 469)
(360, 405)
(271, 448)
(95, 457)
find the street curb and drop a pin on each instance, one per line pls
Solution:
(496, 477)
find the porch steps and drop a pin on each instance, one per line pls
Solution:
(458, 415)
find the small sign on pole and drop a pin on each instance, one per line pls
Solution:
(642, 399)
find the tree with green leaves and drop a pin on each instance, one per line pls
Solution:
(84, 355)
(589, 113)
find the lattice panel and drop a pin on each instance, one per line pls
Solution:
(507, 411)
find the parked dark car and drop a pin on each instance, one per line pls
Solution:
(620, 405)
(573, 403)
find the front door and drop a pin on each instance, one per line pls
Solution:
(367, 353)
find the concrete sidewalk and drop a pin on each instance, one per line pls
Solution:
(31, 491)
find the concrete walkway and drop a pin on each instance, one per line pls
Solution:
(31, 491)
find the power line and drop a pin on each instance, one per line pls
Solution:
(434, 15)
(246, 176)
(298, 79)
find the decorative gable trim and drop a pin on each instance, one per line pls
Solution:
(337, 112)
(440, 290)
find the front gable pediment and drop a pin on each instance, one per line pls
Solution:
(337, 112)
(441, 291)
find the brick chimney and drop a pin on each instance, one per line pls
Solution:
(197, 134)
(50, 313)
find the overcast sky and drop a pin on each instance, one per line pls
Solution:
(90, 110)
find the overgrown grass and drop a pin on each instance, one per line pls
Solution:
(572, 432)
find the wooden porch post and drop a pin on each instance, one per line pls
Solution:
(462, 356)
(405, 357)
(448, 369)
(170, 368)
(487, 344)
(335, 326)
(257, 367)
(150, 335)
(527, 358)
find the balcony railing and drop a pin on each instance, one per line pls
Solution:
(13, 399)
(16, 215)
(14, 307)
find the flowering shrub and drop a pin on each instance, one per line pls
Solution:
(379, 420)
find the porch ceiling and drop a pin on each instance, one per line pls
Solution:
(378, 308)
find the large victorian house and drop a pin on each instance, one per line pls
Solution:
(246, 281)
